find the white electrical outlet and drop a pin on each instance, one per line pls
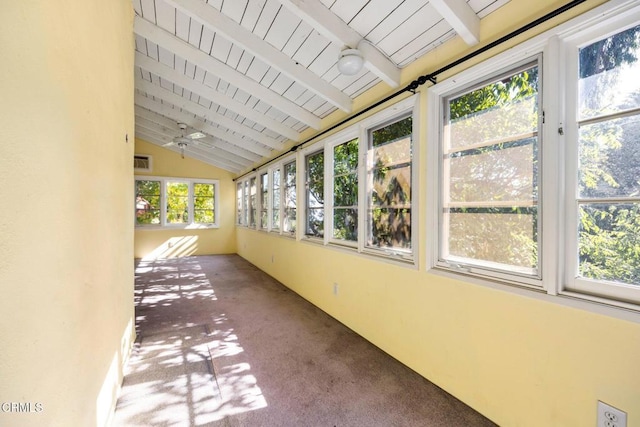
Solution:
(335, 289)
(608, 416)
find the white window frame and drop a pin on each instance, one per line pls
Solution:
(404, 108)
(569, 49)
(330, 144)
(163, 203)
(261, 202)
(484, 268)
(316, 148)
(280, 165)
(558, 163)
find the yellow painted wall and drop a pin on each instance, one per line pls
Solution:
(66, 246)
(171, 243)
(519, 360)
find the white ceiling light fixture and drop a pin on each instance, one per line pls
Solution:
(350, 62)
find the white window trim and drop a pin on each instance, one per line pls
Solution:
(555, 254)
(330, 143)
(568, 48)
(318, 147)
(163, 203)
(409, 106)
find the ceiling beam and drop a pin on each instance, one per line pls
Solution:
(218, 22)
(461, 17)
(168, 126)
(323, 20)
(198, 124)
(172, 75)
(158, 140)
(163, 38)
(197, 109)
(205, 144)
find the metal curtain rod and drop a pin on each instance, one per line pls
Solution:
(431, 77)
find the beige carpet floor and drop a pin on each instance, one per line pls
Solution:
(220, 343)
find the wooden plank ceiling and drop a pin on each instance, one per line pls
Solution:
(254, 74)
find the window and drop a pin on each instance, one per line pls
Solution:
(245, 203)
(252, 202)
(239, 204)
(275, 200)
(345, 191)
(359, 185)
(314, 168)
(604, 258)
(264, 201)
(203, 203)
(148, 202)
(175, 202)
(489, 175)
(533, 181)
(389, 186)
(289, 217)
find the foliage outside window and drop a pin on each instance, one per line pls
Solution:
(608, 153)
(239, 199)
(264, 200)
(177, 202)
(148, 202)
(245, 204)
(290, 203)
(489, 214)
(252, 202)
(389, 186)
(345, 191)
(203, 203)
(314, 168)
(173, 202)
(275, 199)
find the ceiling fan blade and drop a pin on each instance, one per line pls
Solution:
(196, 135)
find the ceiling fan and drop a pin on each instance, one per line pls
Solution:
(183, 140)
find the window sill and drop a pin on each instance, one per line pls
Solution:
(178, 227)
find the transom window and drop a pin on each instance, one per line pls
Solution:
(164, 201)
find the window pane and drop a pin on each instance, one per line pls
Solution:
(147, 202)
(502, 238)
(239, 203)
(203, 203)
(609, 155)
(389, 192)
(177, 202)
(506, 109)
(275, 211)
(345, 224)
(245, 204)
(315, 194)
(289, 224)
(264, 199)
(252, 202)
(490, 175)
(609, 71)
(609, 160)
(609, 242)
(345, 191)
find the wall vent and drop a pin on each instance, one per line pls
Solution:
(142, 163)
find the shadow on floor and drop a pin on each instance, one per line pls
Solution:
(221, 343)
